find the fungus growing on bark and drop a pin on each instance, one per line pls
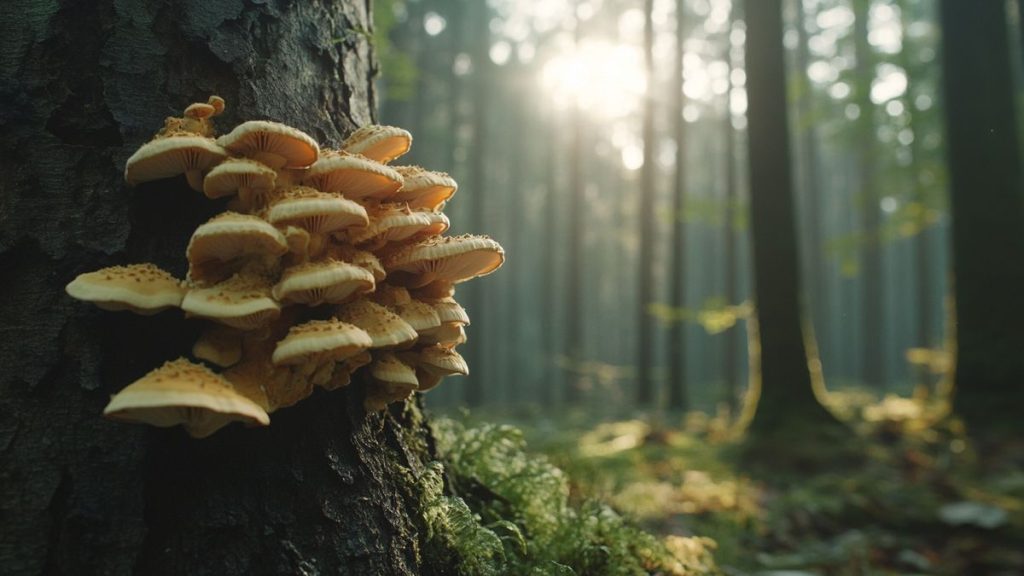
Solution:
(139, 288)
(380, 143)
(306, 229)
(181, 392)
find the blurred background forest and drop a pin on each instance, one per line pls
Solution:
(538, 109)
(609, 146)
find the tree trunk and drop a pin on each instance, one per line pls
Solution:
(645, 294)
(326, 488)
(787, 407)
(988, 248)
(677, 393)
(731, 358)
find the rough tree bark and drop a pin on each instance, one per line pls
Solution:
(326, 488)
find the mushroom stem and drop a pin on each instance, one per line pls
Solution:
(195, 179)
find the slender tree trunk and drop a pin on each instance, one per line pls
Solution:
(645, 389)
(456, 36)
(988, 248)
(873, 370)
(732, 336)
(518, 126)
(677, 394)
(548, 288)
(787, 407)
(327, 488)
(574, 272)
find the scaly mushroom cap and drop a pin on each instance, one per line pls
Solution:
(386, 329)
(448, 310)
(393, 381)
(423, 189)
(247, 177)
(380, 143)
(388, 295)
(315, 211)
(392, 223)
(172, 155)
(454, 259)
(181, 392)
(434, 363)
(320, 341)
(219, 345)
(420, 315)
(228, 236)
(448, 335)
(272, 143)
(139, 288)
(356, 177)
(330, 281)
(360, 258)
(242, 301)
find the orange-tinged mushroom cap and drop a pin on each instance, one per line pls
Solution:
(181, 392)
(423, 189)
(393, 223)
(380, 143)
(330, 281)
(315, 211)
(448, 310)
(454, 259)
(321, 341)
(386, 329)
(229, 236)
(242, 301)
(420, 315)
(139, 288)
(272, 143)
(355, 176)
(241, 175)
(172, 155)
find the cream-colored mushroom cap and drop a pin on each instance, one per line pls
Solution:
(172, 155)
(389, 295)
(181, 392)
(392, 224)
(423, 189)
(386, 329)
(321, 341)
(454, 259)
(448, 334)
(272, 143)
(330, 281)
(443, 361)
(448, 310)
(246, 177)
(380, 143)
(315, 211)
(228, 236)
(360, 258)
(139, 288)
(242, 301)
(387, 368)
(356, 177)
(420, 315)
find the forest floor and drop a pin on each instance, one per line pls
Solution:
(922, 502)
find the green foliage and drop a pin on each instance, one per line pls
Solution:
(715, 316)
(398, 67)
(525, 498)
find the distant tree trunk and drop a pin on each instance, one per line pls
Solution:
(519, 122)
(645, 390)
(787, 409)
(547, 289)
(325, 489)
(677, 396)
(477, 303)
(732, 336)
(455, 24)
(574, 273)
(988, 248)
(873, 370)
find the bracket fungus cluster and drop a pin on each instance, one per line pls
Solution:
(326, 264)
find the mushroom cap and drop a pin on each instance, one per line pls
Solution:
(448, 310)
(355, 176)
(435, 291)
(380, 143)
(420, 315)
(423, 189)
(228, 236)
(171, 156)
(331, 281)
(180, 392)
(315, 211)
(242, 301)
(321, 341)
(393, 223)
(385, 328)
(386, 368)
(236, 174)
(272, 143)
(448, 335)
(139, 288)
(454, 259)
(360, 258)
(200, 110)
(389, 295)
(442, 361)
(219, 345)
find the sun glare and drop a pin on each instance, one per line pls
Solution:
(604, 78)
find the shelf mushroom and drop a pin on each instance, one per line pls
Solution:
(354, 176)
(380, 143)
(423, 189)
(139, 288)
(453, 259)
(173, 155)
(271, 143)
(218, 247)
